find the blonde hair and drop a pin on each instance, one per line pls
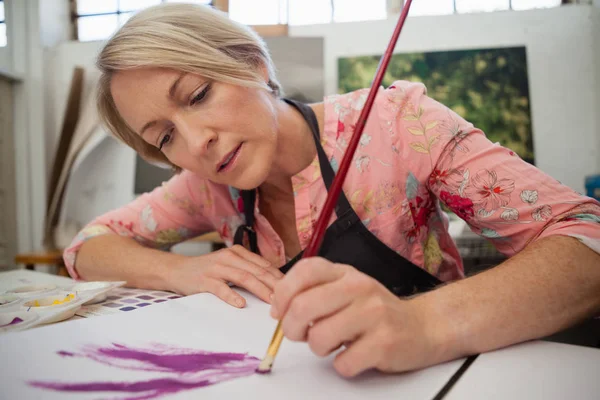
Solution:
(188, 38)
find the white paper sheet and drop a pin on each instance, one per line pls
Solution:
(532, 371)
(201, 322)
(24, 277)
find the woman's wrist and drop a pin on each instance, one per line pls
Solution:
(446, 333)
(168, 270)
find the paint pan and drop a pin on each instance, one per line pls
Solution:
(32, 290)
(16, 320)
(54, 308)
(51, 303)
(98, 290)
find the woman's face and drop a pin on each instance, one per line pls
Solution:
(222, 132)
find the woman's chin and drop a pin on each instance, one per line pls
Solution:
(249, 181)
(248, 178)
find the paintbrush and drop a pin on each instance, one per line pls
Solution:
(336, 187)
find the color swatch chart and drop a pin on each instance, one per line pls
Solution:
(126, 299)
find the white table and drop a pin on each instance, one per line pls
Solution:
(202, 322)
(534, 371)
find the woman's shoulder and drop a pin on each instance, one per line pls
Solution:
(346, 108)
(357, 98)
(343, 110)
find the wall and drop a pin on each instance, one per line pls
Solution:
(5, 58)
(60, 62)
(562, 60)
(6, 61)
(24, 35)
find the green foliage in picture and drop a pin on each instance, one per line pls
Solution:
(487, 87)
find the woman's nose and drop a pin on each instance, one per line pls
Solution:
(198, 139)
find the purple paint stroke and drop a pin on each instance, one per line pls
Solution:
(145, 390)
(163, 358)
(192, 369)
(16, 320)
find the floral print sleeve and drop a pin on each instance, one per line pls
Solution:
(501, 197)
(168, 215)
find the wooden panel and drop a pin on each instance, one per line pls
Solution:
(222, 5)
(3, 236)
(52, 257)
(8, 224)
(271, 30)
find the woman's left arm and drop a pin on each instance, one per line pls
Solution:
(550, 285)
(551, 233)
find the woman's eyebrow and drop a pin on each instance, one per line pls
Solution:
(173, 89)
(147, 126)
(172, 92)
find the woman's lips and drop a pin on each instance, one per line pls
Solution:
(229, 160)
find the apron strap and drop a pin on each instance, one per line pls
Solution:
(343, 209)
(343, 206)
(249, 198)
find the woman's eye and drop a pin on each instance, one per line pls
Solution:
(200, 96)
(165, 140)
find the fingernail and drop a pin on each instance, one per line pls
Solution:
(239, 302)
(273, 312)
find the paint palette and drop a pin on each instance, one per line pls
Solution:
(126, 299)
(28, 306)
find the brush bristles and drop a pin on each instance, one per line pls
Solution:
(265, 365)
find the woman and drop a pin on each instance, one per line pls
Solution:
(183, 85)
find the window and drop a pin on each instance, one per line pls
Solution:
(466, 6)
(359, 10)
(258, 12)
(529, 4)
(309, 12)
(2, 25)
(444, 7)
(97, 20)
(432, 7)
(305, 12)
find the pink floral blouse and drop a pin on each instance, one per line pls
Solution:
(414, 154)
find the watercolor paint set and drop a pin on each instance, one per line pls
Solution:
(32, 305)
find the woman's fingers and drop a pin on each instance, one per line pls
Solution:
(306, 274)
(225, 293)
(314, 304)
(242, 278)
(258, 260)
(232, 259)
(359, 356)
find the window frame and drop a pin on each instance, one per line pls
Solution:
(220, 4)
(223, 5)
(3, 22)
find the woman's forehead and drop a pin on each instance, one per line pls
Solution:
(142, 94)
(143, 78)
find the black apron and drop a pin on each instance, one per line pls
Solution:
(347, 240)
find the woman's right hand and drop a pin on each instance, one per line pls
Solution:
(213, 272)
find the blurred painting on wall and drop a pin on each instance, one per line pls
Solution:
(487, 87)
